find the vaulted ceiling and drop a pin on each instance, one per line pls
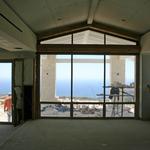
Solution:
(46, 16)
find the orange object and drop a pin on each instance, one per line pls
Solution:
(8, 103)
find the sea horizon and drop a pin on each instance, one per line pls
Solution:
(83, 88)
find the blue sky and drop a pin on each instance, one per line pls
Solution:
(130, 71)
(5, 71)
(91, 71)
(5, 78)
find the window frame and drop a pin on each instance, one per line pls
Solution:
(86, 49)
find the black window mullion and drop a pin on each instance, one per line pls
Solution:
(71, 105)
(104, 105)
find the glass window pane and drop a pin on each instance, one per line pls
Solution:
(113, 110)
(120, 79)
(112, 40)
(55, 110)
(88, 37)
(87, 110)
(128, 110)
(90, 57)
(88, 85)
(55, 78)
(60, 40)
(88, 78)
(5, 92)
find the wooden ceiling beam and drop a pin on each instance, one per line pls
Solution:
(93, 7)
(87, 49)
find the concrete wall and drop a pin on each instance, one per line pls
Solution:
(145, 91)
(28, 58)
(145, 77)
(145, 43)
(48, 78)
(28, 71)
(11, 37)
(117, 69)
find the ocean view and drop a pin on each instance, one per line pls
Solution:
(5, 78)
(5, 87)
(82, 88)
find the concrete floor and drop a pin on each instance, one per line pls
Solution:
(5, 132)
(80, 135)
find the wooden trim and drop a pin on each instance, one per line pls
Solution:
(61, 31)
(116, 31)
(36, 100)
(23, 111)
(71, 103)
(99, 27)
(34, 88)
(94, 103)
(89, 118)
(6, 61)
(38, 86)
(87, 49)
(137, 109)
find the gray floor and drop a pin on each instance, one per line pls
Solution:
(80, 135)
(5, 132)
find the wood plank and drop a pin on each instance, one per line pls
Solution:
(99, 27)
(88, 49)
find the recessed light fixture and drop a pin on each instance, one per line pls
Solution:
(18, 48)
(59, 19)
(123, 20)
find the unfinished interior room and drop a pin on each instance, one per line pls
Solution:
(75, 74)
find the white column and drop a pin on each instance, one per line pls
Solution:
(117, 69)
(48, 78)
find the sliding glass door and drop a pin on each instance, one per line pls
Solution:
(6, 92)
(87, 86)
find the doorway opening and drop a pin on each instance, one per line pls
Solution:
(6, 92)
